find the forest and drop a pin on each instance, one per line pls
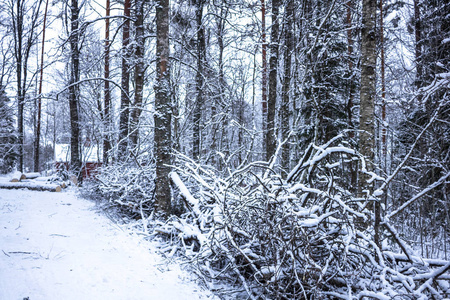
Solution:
(285, 149)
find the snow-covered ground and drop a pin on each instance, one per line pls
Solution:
(58, 246)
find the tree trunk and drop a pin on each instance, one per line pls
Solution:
(368, 84)
(367, 102)
(197, 130)
(139, 71)
(124, 97)
(264, 72)
(351, 93)
(383, 88)
(163, 111)
(107, 93)
(75, 155)
(18, 44)
(273, 78)
(289, 47)
(38, 125)
(418, 36)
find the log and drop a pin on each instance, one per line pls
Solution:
(30, 175)
(31, 186)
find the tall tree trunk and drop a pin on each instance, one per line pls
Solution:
(418, 46)
(289, 47)
(38, 125)
(18, 44)
(197, 131)
(351, 85)
(107, 92)
(264, 72)
(139, 71)
(383, 86)
(75, 155)
(273, 78)
(368, 83)
(22, 51)
(163, 113)
(124, 97)
(367, 101)
(221, 21)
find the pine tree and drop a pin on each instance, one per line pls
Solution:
(8, 135)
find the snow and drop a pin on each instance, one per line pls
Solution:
(59, 246)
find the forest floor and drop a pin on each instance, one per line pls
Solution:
(60, 246)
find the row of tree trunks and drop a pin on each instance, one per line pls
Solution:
(39, 99)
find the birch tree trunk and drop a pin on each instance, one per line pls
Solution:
(367, 103)
(368, 84)
(270, 137)
(163, 113)
(139, 71)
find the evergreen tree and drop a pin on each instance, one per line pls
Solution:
(8, 135)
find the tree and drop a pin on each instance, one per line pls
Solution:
(270, 135)
(125, 84)
(139, 72)
(264, 70)
(38, 121)
(107, 92)
(368, 84)
(74, 90)
(201, 54)
(163, 111)
(8, 135)
(24, 38)
(285, 112)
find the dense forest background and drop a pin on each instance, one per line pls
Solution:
(296, 148)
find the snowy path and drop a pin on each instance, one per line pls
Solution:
(56, 246)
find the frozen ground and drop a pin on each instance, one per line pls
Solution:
(57, 246)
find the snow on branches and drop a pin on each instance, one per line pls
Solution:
(307, 235)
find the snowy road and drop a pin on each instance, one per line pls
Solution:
(56, 246)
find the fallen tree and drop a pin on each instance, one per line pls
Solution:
(307, 236)
(34, 186)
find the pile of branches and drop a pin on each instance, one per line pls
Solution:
(126, 187)
(307, 236)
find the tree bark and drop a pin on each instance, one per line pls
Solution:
(264, 71)
(197, 130)
(383, 86)
(38, 125)
(367, 103)
(163, 113)
(107, 93)
(270, 137)
(75, 155)
(75, 159)
(139, 72)
(124, 97)
(18, 44)
(289, 47)
(368, 84)
(418, 46)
